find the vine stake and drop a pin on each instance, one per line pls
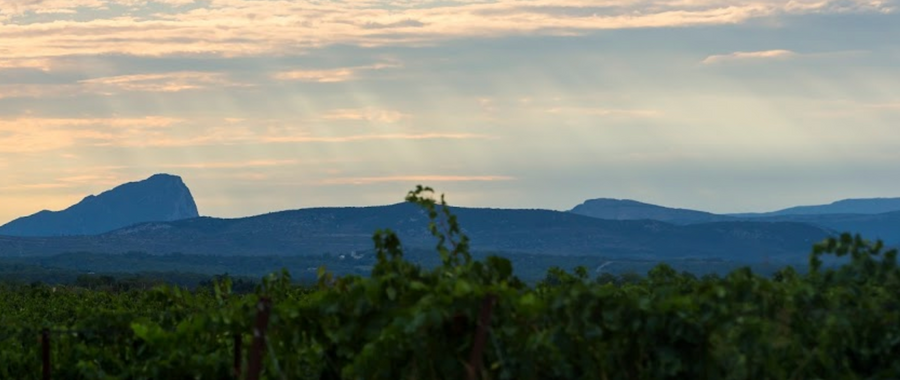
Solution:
(484, 323)
(254, 365)
(237, 356)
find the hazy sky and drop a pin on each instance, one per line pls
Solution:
(267, 105)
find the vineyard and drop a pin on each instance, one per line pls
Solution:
(469, 319)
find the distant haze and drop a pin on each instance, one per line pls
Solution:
(725, 107)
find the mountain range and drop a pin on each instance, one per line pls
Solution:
(158, 216)
(319, 231)
(875, 218)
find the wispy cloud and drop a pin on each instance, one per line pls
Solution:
(10, 8)
(233, 164)
(319, 76)
(605, 112)
(253, 27)
(749, 56)
(377, 137)
(113, 85)
(852, 108)
(67, 182)
(35, 134)
(341, 74)
(370, 114)
(895, 106)
(35, 186)
(27, 134)
(42, 64)
(11, 91)
(162, 82)
(413, 178)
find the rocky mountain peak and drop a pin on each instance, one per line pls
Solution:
(160, 198)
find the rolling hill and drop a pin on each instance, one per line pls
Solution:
(844, 206)
(318, 231)
(626, 209)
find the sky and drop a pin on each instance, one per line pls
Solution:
(263, 105)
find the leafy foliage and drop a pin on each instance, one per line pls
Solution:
(409, 322)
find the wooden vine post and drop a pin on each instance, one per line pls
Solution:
(254, 363)
(484, 323)
(237, 356)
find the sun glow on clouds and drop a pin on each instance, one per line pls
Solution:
(244, 27)
(377, 137)
(165, 82)
(749, 56)
(28, 135)
(370, 114)
(341, 74)
(233, 164)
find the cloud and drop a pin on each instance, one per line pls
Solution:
(162, 82)
(377, 137)
(233, 164)
(42, 64)
(112, 85)
(749, 56)
(26, 135)
(397, 24)
(853, 109)
(11, 91)
(370, 114)
(319, 76)
(341, 74)
(412, 178)
(231, 28)
(35, 186)
(20, 7)
(605, 112)
(35, 134)
(67, 182)
(885, 106)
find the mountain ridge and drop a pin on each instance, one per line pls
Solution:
(318, 231)
(161, 197)
(874, 218)
(597, 227)
(628, 209)
(842, 206)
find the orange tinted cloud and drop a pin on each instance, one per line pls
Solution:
(26, 134)
(749, 55)
(158, 82)
(252, 27)
(29, 134)
(605, 112)
(376, 137)
(341, 74)
(162, 82)
(233, 164)
(320, 76)
(370, 114)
